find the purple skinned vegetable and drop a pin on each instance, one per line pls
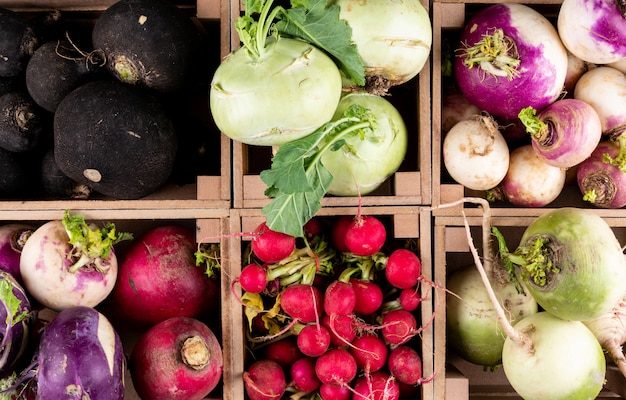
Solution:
(602, 177)
(511, 57)
(12, 239)
(594, 31)
(80, 356)
(15, 317)
(565, 133)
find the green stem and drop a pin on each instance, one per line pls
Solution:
(620, 160)
(534, 126)
(495, 53)
(336, 138)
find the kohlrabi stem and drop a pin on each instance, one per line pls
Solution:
(516, 336)
(496, 54)
(620, 160)
(265, 24)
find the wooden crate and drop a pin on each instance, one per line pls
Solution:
(410, 185)
(459, 379)
(405, 222)
(449, 18)
(184, 195)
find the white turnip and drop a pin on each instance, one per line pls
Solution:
(178, 358)
(68, 262)
(530, 181)
(475, 153)
(604, 88)
(511, 57)
(594, 31)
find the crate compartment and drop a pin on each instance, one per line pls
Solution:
(411, 184)
(458, 378)
(201, 175)
(402, 222)
(449, 18)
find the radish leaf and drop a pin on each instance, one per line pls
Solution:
(297, 180)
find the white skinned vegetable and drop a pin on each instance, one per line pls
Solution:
(571, 262)
(530, 181)
(68, 262)
(604, 88)
(511, 57)
(594, 31)
(397, 50)
(475, 153)
(564, 133)
(362, 164)
(537, 355)
(282, 84)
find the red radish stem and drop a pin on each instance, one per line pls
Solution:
(264, 380)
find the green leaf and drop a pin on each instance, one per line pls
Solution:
(321, 26)
(11, 302)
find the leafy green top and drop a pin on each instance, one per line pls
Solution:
(297, 180)
(12, 304)
(310, 20)
(90, 244)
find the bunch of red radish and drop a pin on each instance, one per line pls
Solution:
(349, 330)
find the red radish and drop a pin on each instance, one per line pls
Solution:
(564, 133)
(272, 246)
(336, 366)
(335, 392)
(313, 227)
(403, 269)
(253, 278)
(530, 181)
(341, 328)
(159, 279)
(313, 340)
(264, 380)
(284, 351)
(405, 365)
(399, 326)
(179, 358)
(68, 262)
(303, 375)
(379, 385)
(369, 352)
(365, 236)
(339, 298)
(409, 299)
(339, 232)
(369, 296)
(302, 302)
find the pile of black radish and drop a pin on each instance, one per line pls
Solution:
(105, 109)
(334, 314)
(553, 88)
(67, 313)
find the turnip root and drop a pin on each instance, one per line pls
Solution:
(178, 358)
(475, 153)
(68, 262)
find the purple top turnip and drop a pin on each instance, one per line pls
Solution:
(80, 356)
(511, 58)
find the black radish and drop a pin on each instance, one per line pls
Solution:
(55, 183)
(18, 41)
(115, 138)
(23, 123)
(150, 43)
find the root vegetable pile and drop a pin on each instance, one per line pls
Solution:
(330, 323)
